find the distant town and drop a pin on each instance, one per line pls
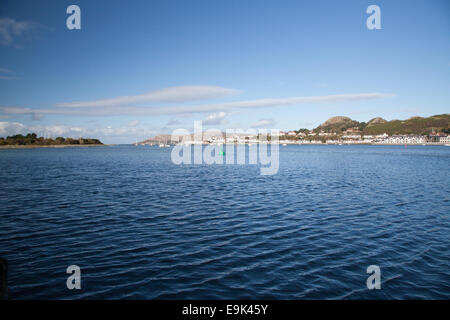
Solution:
(293, 137)
(434, 130)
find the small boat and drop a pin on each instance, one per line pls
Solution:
(284, 144)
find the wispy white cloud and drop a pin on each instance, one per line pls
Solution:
(37, 117)
(167, 95)
(221, 107)
(5, 74)
(12, 30)
(55, 130)
(133, 123)
(215, 118)
(11, 128)
(263, 123)
(173, 122)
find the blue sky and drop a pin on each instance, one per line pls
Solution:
(236, 64)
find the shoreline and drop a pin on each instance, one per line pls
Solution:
(308, 144)
(7, 147)
(50, 146)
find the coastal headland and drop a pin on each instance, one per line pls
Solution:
(31, 140)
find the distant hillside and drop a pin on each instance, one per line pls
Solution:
(162, 138)
(375, 121)
(337, 124)
(414, 125)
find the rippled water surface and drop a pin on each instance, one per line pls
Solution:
(141, 227)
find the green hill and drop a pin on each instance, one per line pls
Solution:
(414, 125)
(375, 121)
(337, 124)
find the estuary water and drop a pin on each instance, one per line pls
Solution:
(141, 227)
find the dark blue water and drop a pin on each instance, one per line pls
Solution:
(142, 227)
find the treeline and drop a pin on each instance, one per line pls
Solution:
(33, 139)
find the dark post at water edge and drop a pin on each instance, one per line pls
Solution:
(3, 279)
